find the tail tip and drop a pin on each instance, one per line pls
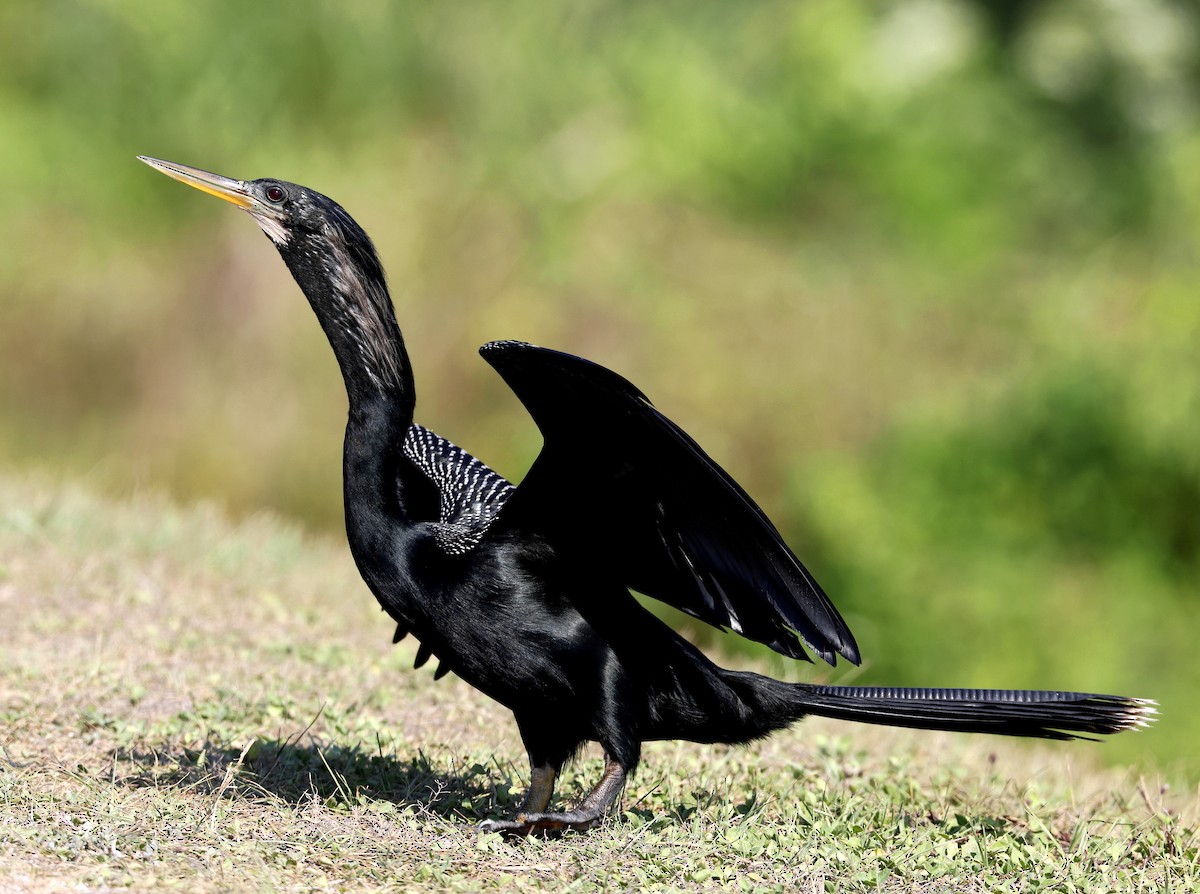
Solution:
(1140, 713)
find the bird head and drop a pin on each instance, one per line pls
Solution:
(317, 238)
(282, 209)
(332, 260)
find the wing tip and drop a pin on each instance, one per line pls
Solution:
(848, 651)
(792, 645)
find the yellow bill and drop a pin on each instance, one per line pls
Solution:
(235, 191)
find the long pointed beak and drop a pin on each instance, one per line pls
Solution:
(235, 191)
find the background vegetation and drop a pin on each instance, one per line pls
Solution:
(921, 274)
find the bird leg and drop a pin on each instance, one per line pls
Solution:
(593, 808)
(537, 799)
(541, 789)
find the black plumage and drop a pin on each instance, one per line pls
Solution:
(525, 591)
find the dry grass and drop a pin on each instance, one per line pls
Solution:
(190, 703)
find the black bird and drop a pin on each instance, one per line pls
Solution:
(524, 592)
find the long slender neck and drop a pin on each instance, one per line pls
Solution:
(345, 285)
(346, 288)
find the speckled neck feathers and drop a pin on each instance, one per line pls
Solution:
(363, 310)
(338, 270)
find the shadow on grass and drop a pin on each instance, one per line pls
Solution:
(300, 774)
(339, 777)
(462, 794)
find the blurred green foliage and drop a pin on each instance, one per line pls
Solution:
(921, 274)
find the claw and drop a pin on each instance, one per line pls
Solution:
(546, 825)
(507, 828)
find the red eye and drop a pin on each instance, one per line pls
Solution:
(275, 194)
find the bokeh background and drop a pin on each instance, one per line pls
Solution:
(922, 274)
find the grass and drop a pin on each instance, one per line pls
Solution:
(189, 702)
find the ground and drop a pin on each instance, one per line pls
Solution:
(195, 703)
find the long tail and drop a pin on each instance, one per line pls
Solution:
(1006, 712)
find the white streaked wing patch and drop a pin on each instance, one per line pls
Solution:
(472, 495)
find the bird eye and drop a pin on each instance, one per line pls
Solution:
(275, 194)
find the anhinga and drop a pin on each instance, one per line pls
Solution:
(524, 592)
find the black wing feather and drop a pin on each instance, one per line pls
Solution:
(617, 475)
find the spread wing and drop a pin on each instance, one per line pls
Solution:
(620, 479)
(471, 495)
